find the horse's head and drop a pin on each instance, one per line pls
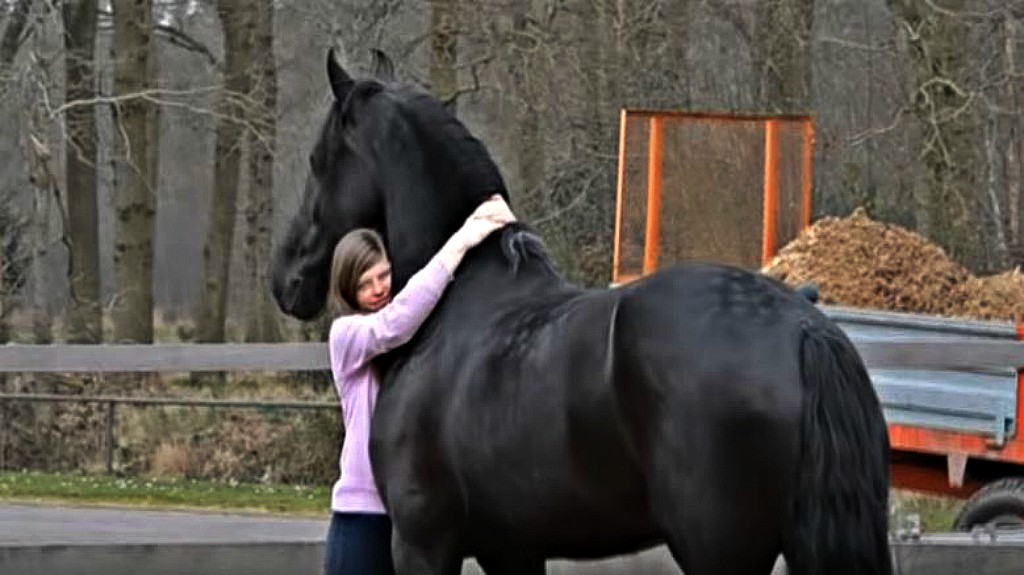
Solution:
(388, 157)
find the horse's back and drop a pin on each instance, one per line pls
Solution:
(710, 334)
(718, 316)
(729, 299)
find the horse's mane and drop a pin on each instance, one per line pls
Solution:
(521, 244)
(475, 168)
(448, 142)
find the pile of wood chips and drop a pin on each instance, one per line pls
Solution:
(863, 263)
(998, 297)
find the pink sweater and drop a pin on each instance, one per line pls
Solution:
(354, 341)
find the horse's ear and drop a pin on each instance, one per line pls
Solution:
(383, 67)
(341, 82)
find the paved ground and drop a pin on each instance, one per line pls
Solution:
(45, 525)
(109, 541)
(47, 539)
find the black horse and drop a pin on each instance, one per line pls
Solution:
(705, 407)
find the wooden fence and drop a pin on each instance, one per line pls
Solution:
(285, 357)
(294, 357)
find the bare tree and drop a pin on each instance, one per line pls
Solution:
(238, 21)
(1013, 35)
(14, 257)
(14, 34)
(45, 202)
(135, 157)
(946, 99)
(523, 68)
(781, 53)
(14, 262)
(444, 34)
(84, 312)
(261, 314)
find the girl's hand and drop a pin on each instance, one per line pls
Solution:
(491, 215)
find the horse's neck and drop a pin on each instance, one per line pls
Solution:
(417, 229)
(486, 281)
(488, 274)
(410, 252)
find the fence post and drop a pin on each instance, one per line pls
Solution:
(655, 153)
(3, 435)
(110, 437)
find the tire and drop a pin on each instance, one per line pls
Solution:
(999, 504)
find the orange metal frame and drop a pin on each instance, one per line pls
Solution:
(655, 152)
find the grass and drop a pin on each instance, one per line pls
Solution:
(50, 488)
(936, 513)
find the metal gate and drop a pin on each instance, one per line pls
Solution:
(712, 187)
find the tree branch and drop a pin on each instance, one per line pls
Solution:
(15, 34)
(173, 36)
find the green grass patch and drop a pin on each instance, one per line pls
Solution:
(163, 493)
(937, 513)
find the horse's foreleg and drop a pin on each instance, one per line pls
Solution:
(438, 556)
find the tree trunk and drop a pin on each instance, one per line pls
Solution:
(12, 264)
(42, 324)
(11, 251)
(261, 317)
(135, 168)
(13, 35)
(952, 150)
(1014, 146)
(782, 55)
(84, 314)
(237, 22)
(443, 50)
(524, 72)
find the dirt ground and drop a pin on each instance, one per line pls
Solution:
(859, 262)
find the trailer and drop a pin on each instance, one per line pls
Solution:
(733, 188)
(951, 432)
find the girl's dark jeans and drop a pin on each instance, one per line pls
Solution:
(358, 544)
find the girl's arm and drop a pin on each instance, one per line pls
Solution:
(357, 338)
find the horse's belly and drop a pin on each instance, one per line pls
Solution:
(565, 509)
(569, 531)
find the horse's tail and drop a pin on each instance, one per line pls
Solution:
(838, 520)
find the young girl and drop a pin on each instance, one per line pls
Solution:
(359, 537)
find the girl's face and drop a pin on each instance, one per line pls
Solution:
(374, 289)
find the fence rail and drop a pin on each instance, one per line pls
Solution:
(199, 357)
(236, 403)
(922, 353)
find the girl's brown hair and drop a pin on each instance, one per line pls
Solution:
(358, 251)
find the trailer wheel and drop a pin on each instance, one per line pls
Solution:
(998, 505)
